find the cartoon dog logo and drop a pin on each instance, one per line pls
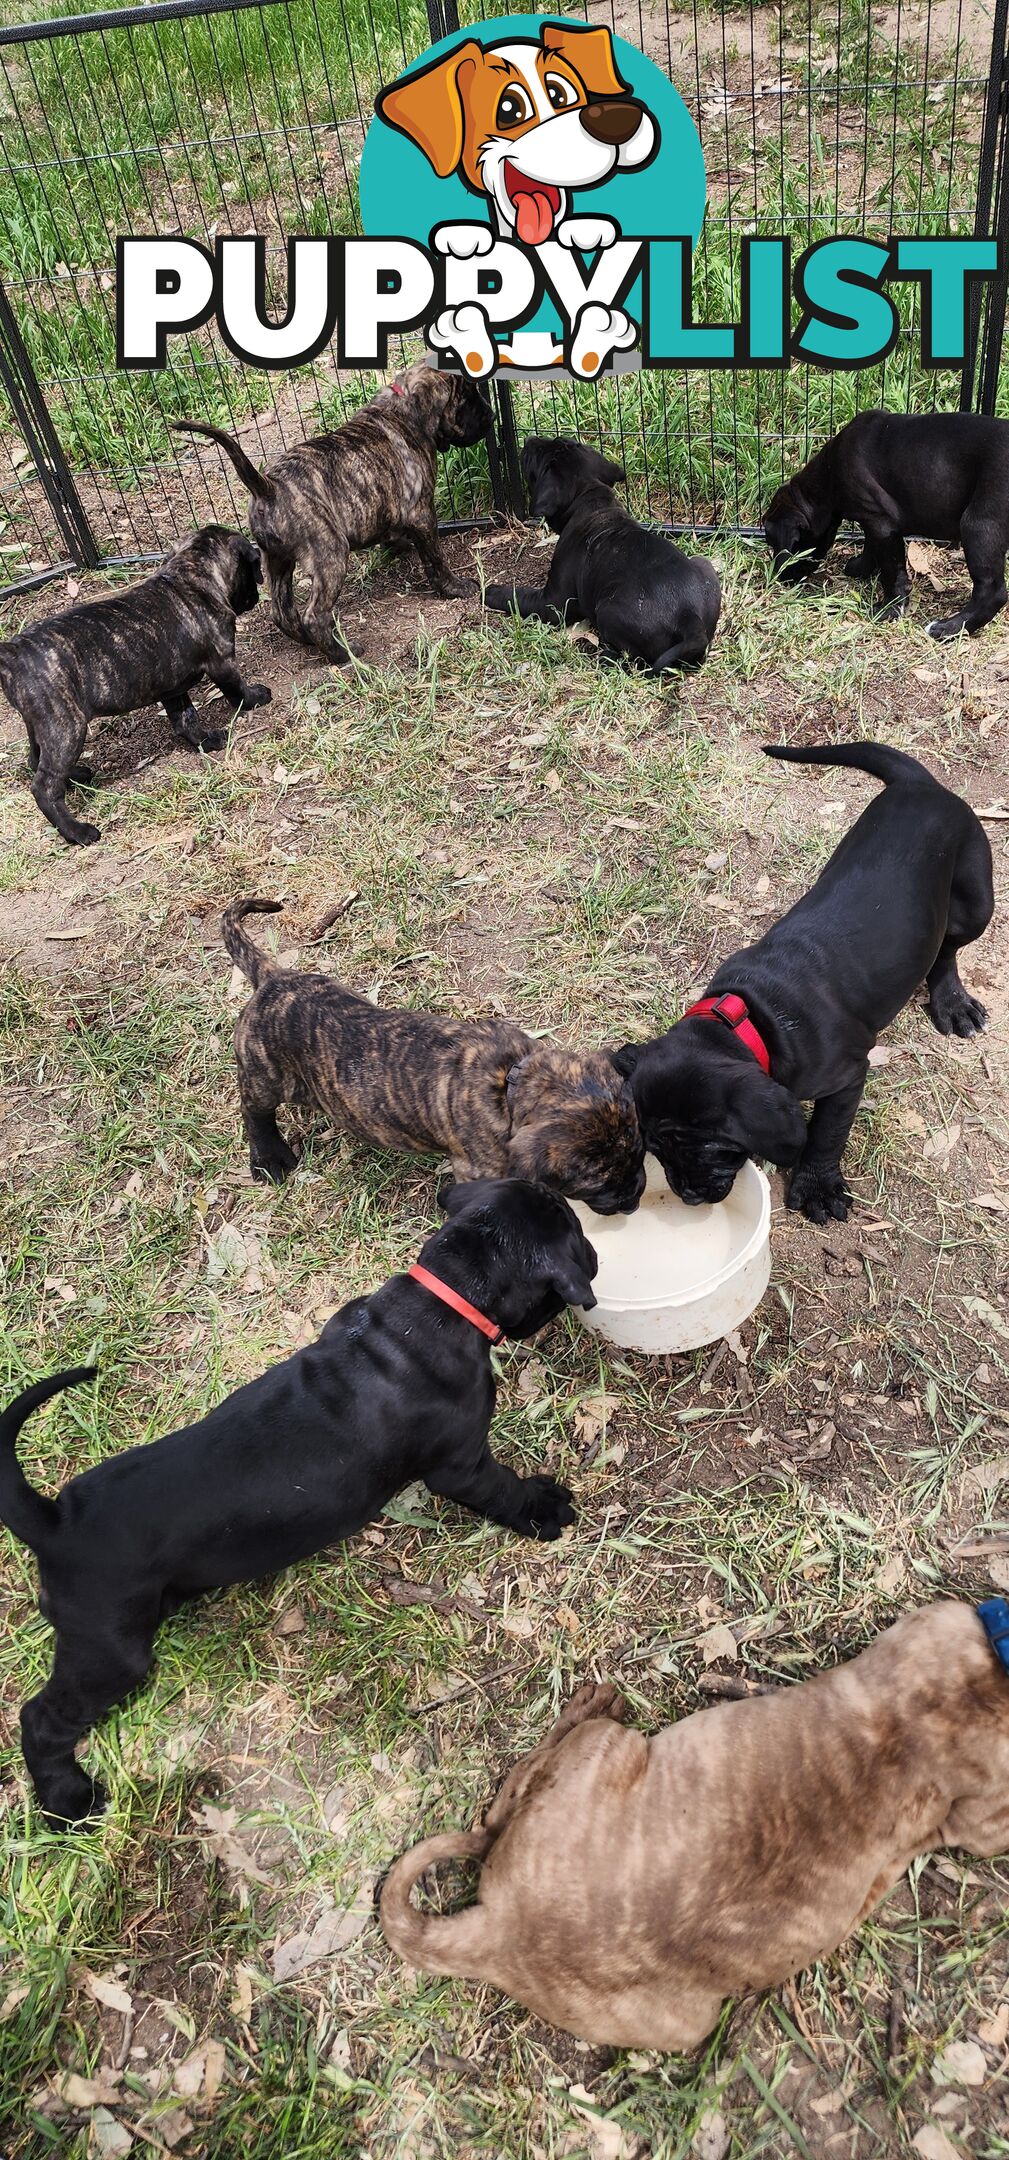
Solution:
(526, 124)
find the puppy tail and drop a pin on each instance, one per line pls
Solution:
(876, 758)
(247, 956)
(255, 481)
(458, 1943)
(30, 1516)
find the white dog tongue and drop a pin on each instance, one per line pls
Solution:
(534, 217)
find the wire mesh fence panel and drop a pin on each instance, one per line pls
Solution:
(239, 116)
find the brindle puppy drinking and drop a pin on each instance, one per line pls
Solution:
(370, 480)
(148, 646)
(481, 1092)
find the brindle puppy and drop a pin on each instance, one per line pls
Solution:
(370, 480)
(148, 646)
(481, 1092)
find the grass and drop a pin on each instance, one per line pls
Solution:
(530, 832)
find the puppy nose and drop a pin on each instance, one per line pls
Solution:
(615, 122)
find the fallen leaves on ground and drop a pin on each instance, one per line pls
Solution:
(335, 1927)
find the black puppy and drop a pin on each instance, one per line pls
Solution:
(398, 1386)
(148, 646)
(800, 1010)
(943, 476)
(643, 596)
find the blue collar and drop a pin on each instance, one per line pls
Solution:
(994, 1618)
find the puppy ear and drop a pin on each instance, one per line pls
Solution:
(447, 1194)
(626, 1058)
(589, 53)
(548, 488)
(428, 107)
(771, 1121)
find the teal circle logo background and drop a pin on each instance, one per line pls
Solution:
(402, 196)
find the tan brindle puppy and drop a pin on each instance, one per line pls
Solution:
(479, 1091)
(370, 480)
(630, 1885)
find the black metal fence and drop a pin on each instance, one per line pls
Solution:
(208, 116)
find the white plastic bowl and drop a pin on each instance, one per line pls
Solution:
(673, 1277)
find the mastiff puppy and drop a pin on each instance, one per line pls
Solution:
(646, 599)
(148, 646)
(793, 1018)
(399, 1386)
(629, 1885)
(480, 1091)
(370, 480)
(941, 476)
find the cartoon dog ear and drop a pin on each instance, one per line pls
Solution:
(428, 107)
(626, 1058)
(770, 1121)
(590, 53)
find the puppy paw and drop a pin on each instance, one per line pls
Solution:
(82, 775)
(212, 738)
(456, 588)
(586, 233)
(598, 332)
(953, 1011)
(72, 1798)
(275, 1168)
(81, 835)
(257, 693)
(544, 1509)
(950, 627)
(858, 566)
(892, 610)
(818, 1191)
(499, 596)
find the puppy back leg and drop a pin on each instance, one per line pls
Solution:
(90, 1675)
(981, 538)
(326, 566)
(536, 1507)
(49, 790)
(971, 905)
(261, 1087)
(817, 1187)
(225, 676)
(890, 558)
(280, 580)
(527, 601)
(424, 537)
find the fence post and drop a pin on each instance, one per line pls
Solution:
(988, 302)
(32, 416)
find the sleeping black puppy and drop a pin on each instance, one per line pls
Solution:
(793, 1018)
(398, 1386)
(148, 646)
(642, 595)
(942, 476)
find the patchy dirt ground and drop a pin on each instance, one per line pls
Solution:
(513, 828)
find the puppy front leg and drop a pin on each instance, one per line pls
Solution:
(528, 601)
(890, 558)
(536, 1507)
(225, 676)
(188, 728)
(817, 1187)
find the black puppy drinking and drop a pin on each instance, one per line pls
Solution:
(797, 1014)
(148, 646)
(942, 476)
(398, 1386)
(642, 595)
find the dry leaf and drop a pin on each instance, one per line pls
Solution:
(879, 1054)
(187, 2077)
(108, 1992)
(710, 2140)
(241, 2001)
(920, 562)
(716, 861)
(762, 886)
(109, 2136)
(291, 1622)
(985, 1477)
(940, 1143)
(333, 1930)
(828, 2104)
(553, 781)
(607, 2141)
(227, 1253)
(82, 2092)
(719, 1642)
(217, 1827)
(994, 1201)
(213, 2074)
(518, 1623)
(12, 2001)
(994, 2031)
(890, 1576)
(998, 1573)
(174, 2127)
(933, 2144)
(980, 1309)
(961, 2063)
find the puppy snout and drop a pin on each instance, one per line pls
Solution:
(613, 122)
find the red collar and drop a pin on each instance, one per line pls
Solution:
(732, 1012)
(458, 1304)
(397, 389)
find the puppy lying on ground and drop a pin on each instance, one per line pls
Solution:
(942, 476)
(480, 1091)
(630, 1885)
(398, 1386)
(148, 646)
(642, 595)
(370, 480)
(800, 1010)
